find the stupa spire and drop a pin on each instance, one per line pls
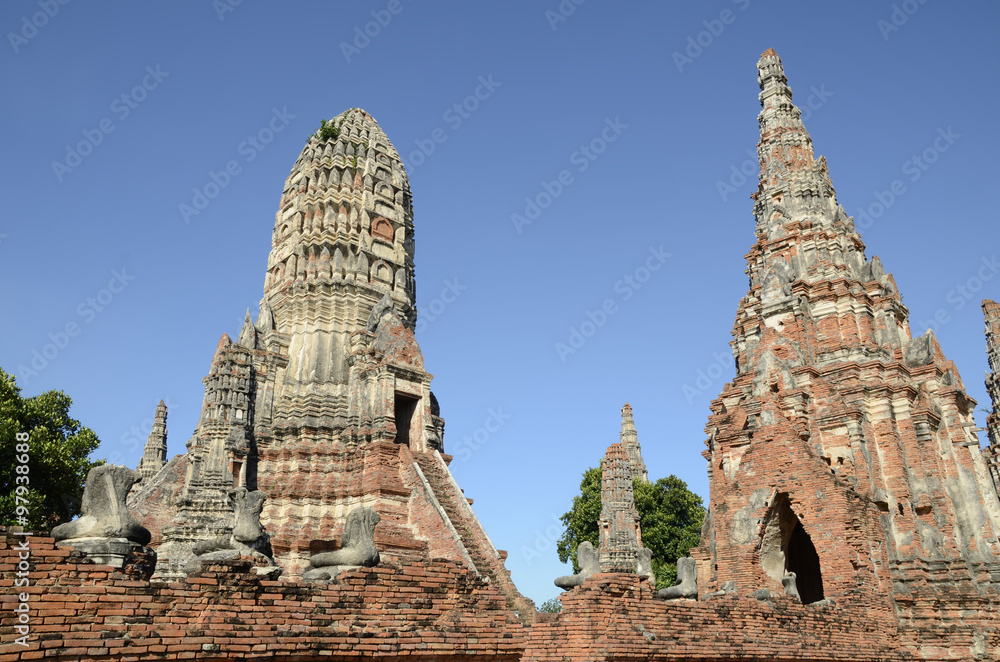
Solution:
(630, 442)
(154, 455)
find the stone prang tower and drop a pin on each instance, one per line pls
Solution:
(323, 402)
(844, 449)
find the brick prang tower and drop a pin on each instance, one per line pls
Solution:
(844, 449)
(323, 402)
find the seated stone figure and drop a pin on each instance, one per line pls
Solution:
(587, 559)
(357, 548)
(104, 514)
(687, 584)
(105, 530)
(247, 539)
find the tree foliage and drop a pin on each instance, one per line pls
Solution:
(670, 518)
(550, 606)
(58, 456)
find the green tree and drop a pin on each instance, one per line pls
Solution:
(581, 520)
(670, 517)
(58, 456)
(551, 606)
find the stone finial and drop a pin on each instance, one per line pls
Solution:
(586, 558)
(356, 550)
(154, 455)
(630, 442)
(248, 334)
(620, 538)
(687, 581)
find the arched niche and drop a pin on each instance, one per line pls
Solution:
(786, 547)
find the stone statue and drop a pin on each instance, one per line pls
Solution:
(788, 581)
(356, 550)
(105, 530)
(587, 559)
(247, 539)
(687, 584)
(103, 507)
(644, 565)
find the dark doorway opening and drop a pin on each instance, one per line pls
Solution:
(804, 562)
(405, 407)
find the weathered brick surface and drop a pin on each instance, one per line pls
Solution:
(616, 617)
(426, 609)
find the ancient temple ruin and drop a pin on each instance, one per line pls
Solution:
(323, 403)
(852, 513)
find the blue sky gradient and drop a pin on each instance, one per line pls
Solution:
(624, 132)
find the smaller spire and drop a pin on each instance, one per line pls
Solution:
(630, 442)
(154, 455)
(991, 309)
(618, 525)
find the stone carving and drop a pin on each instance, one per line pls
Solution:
(687, 581)
(357, 549)
(644, 565)
(788, 581)
(104, 512)
(727, 588)
(105, 530)
(248, 537)
(586, 558)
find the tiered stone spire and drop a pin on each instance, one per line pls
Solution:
(842, 451)
(618, 525)
(630, 442)
(154, 455)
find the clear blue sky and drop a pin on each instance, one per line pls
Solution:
(198, 84)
